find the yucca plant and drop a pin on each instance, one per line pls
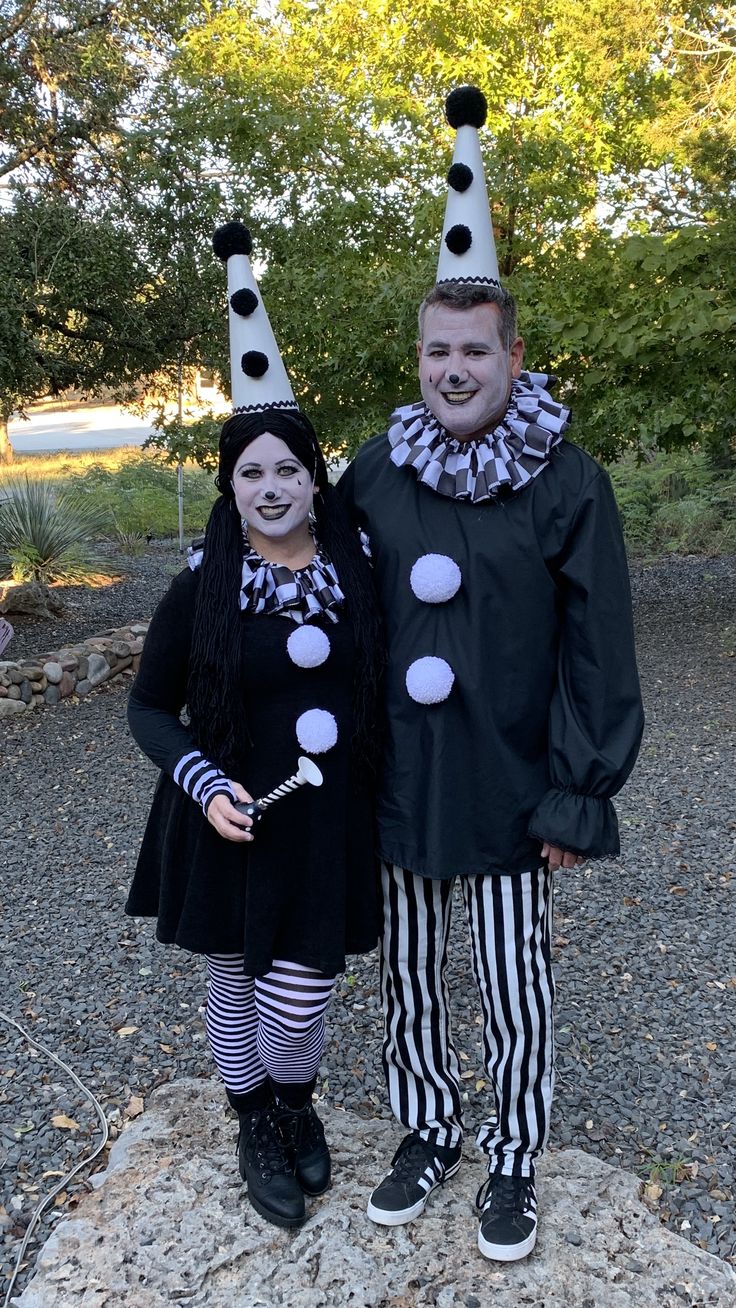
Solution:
(50, 535)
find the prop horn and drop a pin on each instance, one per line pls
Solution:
(307, 773)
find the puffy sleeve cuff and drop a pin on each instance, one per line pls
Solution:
(583, 824)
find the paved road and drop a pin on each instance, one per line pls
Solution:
(100, 428)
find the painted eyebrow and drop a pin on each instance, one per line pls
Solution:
(276, 465)
(466, 345)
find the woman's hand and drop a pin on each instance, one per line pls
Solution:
(226, 819)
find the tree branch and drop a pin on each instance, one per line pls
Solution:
(16, 24)
(95, 20)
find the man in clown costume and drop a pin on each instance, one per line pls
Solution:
(513, 711)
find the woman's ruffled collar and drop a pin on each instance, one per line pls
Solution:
(302, 594)
(508, 458)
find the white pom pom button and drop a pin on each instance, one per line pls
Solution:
(435, 578)
(308, 646)
(316, 731)
(429, 680)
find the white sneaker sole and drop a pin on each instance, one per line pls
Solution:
(507, 1253)
(384, 1217)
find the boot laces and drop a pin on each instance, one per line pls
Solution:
(264, 1143)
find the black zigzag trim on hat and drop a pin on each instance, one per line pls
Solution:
(231, 238)
(480, 281)
(460, 177)
(243, 302)
(263, 408)
(254, 363)
(459, 239)
(466, 106)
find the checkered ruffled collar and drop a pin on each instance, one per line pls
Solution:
(301, 595)
(508, 458)
(306, 593)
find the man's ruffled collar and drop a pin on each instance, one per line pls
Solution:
(507, 459)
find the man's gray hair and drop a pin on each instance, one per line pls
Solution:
(464, 295)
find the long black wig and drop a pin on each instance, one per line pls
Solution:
(215, 696)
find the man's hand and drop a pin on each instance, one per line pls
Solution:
(225, 818)
(557, 858)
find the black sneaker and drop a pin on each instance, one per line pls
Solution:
(508, 1217)
(417, 1168)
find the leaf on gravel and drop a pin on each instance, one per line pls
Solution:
(466, 1076)
(64, 1123)
(134, 1107)
(126, 1030)
(60, 1199)
(711, 1044)
(167, 1049)
(45, 1176)
(678, 890)
(480, 1085)
(653, 1191)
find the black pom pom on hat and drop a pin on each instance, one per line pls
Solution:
(244, 302)
(460, 177)
(231, 238)
(459, 239)
(254, 363)
(466, 106)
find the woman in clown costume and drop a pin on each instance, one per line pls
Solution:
(270, 638)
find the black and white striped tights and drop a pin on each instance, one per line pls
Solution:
(268, 1026)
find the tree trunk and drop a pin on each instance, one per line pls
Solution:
(6, 449)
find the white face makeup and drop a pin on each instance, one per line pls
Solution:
(273, 491)
(465, 372)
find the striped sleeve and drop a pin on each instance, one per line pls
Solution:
(201, 779)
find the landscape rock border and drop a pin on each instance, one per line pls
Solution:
(47, 679)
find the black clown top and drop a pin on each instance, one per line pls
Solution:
(543, 722)
(304, 890)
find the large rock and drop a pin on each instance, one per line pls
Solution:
(10, 707)
(168, 1222)
(28, 597)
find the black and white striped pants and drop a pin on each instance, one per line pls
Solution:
(272, 1025)
(509, 919)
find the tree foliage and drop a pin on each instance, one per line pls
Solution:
(611, 161)
(335, 117)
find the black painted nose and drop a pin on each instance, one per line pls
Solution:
(454, 378)
(269, 495)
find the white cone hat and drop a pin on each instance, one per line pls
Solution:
(468, 250)
(257, 373)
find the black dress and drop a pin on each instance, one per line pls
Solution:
(305, 889)
(544, 719)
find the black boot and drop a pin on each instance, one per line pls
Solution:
(305, 1135)
(266, 1168)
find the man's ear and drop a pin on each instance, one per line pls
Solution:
(516, 354)
(419, 349)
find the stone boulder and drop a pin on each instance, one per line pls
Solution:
(29, 597)
(168, 1222)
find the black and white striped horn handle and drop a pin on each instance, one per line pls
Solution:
(307, 773)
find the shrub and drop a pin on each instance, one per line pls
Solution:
(47, 535)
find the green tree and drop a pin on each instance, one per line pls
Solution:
(334, 114)
(70, 71)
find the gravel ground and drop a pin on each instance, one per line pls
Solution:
(644, 944)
